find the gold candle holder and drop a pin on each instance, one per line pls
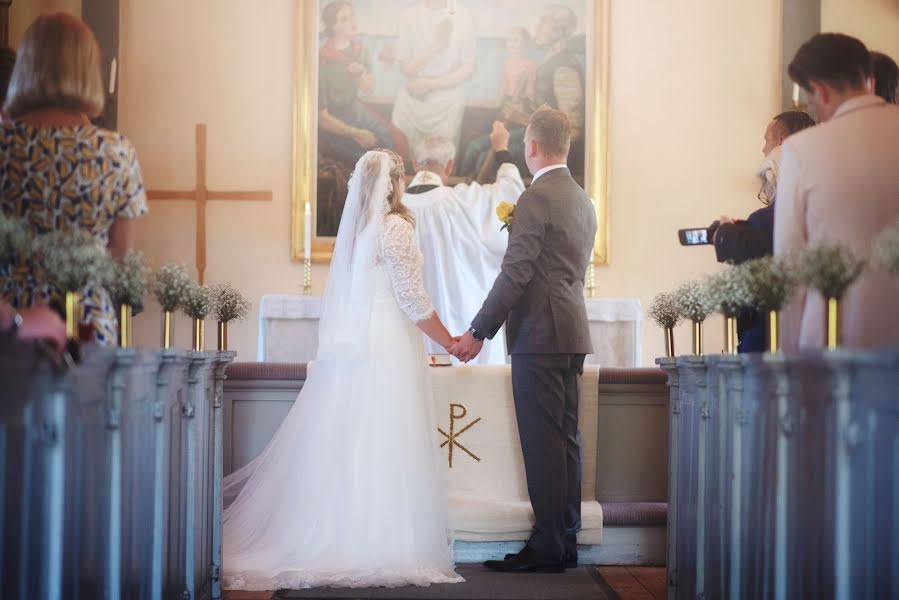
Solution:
(307, 276)
(223, 336)
(198, 339)
(833, 323)
(773, 332)
(697, 337)
(73, 314)
(669, 341)
(168, 329)
(126, 312)
(730, 335)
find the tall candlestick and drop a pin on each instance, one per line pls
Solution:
(307, 233)
(795, 95)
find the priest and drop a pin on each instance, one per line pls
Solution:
(460, 234)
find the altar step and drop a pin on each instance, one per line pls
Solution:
(585, 583)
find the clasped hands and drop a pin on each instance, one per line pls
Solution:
(465, 347)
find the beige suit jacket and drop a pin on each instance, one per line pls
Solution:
(839, 182)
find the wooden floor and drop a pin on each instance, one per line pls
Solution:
(630, 583)
(636, 583)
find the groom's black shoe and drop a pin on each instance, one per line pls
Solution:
(526, 561)
(570, 559)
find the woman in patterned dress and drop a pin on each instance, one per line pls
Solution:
(58, 172)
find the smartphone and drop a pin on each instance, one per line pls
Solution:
(694, 237)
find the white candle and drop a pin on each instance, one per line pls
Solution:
(307, 233)
(795, 94)
(113, 72)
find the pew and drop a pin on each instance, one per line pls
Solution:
(784, 477)
(111, 473)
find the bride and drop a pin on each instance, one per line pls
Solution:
(349, 492)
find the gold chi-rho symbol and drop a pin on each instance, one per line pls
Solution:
(457, 412)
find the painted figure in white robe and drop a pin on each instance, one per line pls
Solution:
(436, 53)
(459, 233)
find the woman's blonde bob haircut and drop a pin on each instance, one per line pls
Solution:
(58, 66)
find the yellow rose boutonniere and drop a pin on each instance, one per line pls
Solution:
(505, 212)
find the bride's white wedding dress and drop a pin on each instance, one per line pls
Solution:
(350, 491)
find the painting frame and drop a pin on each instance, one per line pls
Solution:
(305, 129)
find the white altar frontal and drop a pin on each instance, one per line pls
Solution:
(477, 434)
(288, 329)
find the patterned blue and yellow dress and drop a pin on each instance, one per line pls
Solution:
(69, 179)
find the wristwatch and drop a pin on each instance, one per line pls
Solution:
(475, 334)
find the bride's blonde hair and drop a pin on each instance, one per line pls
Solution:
(371, 170)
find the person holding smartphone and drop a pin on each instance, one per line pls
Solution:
(737, 241)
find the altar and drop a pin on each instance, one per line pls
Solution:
(623, 427)
(288, 329)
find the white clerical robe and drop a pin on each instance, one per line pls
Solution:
(459, 235)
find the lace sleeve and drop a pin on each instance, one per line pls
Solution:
(400, 253)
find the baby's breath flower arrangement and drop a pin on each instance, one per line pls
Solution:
(771, 281)
(197, 304)
(197, 301)
(663, 311)
(16, 248)
(693, 302)
(169, 285)
(71, 262)
(885, 253)
(128, 287)
(831, 269)
(729, 292)
(15, 244)
(228, 305)
(130, 279)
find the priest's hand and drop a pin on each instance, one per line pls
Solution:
(467, 348)
(499, 137)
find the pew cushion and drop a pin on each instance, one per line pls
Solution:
(634, 514)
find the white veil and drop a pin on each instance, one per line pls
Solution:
(343, 335)
(348, 296)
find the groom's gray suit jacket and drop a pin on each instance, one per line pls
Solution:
(539, 292)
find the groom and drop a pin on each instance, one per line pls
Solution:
(540, 295)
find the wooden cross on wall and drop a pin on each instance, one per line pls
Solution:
(201, 195)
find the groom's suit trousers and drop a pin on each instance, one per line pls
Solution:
(546, 389)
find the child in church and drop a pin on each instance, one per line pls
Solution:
(519, 79)
(516, 102)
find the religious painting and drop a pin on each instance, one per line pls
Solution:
(391, 73)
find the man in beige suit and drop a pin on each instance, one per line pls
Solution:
(839, 183)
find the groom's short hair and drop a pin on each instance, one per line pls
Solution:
(435, 150)
(551, 129)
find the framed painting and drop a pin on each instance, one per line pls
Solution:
(389, 73)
